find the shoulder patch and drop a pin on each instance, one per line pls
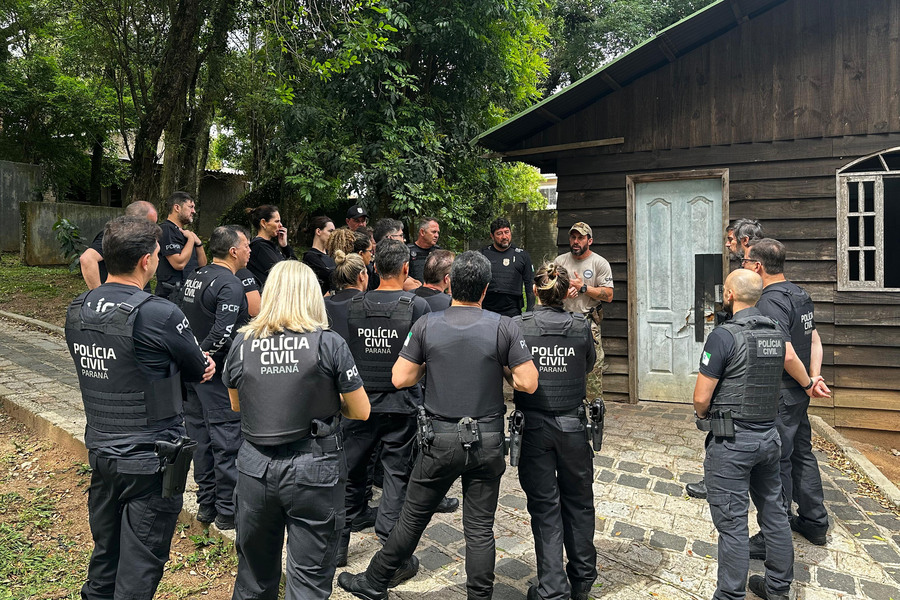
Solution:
(705, 358)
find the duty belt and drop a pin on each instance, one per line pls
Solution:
(578, 411)
(492, 425)
(331, 443)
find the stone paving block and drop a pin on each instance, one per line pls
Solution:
(513, 501)
(603, 461)
(653, 518)
(506, 592)
(513, 545)
(616, 493)
(887, 520)
(704, 549)
(626, 531)
(863, 530)
(514, 569)
(690, 477)
(835, 581)
(633, 481)
(882, 553)
(894, 572)
(833, 495)
(829, 470)
(613, 509)
(631, 455)
(629, 467)
(693, 528)
(869, 505)
(605, 476)
(444, 534)
(802, 573)
(858, 566)
(683, 451)
(657, 459)
(668, 488)
(845, 512)
(432, 558)
(660, 472)
(661, 539)
(648, 499)
(873, 589)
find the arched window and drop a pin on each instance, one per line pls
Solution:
(868, 223)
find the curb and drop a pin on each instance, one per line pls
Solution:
(33, 322)
(859, 460)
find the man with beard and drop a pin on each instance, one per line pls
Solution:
(428, 233)
(739, 235)
(182, 249)
(590, 283)
(511, 270)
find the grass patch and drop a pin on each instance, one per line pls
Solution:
(36, 283)
(31, 565)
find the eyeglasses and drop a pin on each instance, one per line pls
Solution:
(397, 236)
(744, 260)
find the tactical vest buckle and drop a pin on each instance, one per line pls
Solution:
(126, 308)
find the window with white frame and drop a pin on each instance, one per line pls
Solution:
(868, 218)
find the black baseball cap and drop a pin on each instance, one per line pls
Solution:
(356, 211)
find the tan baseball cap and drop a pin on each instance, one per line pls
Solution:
(582, 228)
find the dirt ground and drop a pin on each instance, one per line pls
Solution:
(880, 448)
(45, 541)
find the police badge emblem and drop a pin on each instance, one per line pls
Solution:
(588, 274)
(505, 262)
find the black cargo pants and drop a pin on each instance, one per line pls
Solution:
(132, 526)
(436, 469)
(800, 475)
(556, 472)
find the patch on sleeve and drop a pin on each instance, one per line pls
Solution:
(706, 357)
(408, 337)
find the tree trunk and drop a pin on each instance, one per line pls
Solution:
(169, 86)
(96, 166)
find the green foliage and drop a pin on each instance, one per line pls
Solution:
(70, 241)
(36, 283)
(585, 34)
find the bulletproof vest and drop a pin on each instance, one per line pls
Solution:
(802, 325)
(118, 396)
(560, 354)
(282, 389)
(749, 387)
(505, 278)
(377, 334)
(190, 300)
(475, 388)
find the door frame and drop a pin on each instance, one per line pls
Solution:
(630, 182)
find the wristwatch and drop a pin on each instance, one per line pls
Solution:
(583, 289)
(809, 385)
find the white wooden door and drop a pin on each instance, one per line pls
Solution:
(673, 220)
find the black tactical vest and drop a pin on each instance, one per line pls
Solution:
(474, 387)
(118, 396)
(505, 278)
(282, 389)
(560, 354)
(749, 387)
(376, 336)
(802, 325)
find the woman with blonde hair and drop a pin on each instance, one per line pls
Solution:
(349, 278)
(290, 377)
(556, 463)
(341, 239)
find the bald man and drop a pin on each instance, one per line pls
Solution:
(93, 269)
(736, 401)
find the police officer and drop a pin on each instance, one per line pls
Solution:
(736, 400)
(93, 269)
(511, 269)
(556, 467)
(181, 250)
(131, 350)
(428, 232)
(378, 323)
(792, 309)
(437, 280)
(215, 304)
(464, 436)
(290, 377)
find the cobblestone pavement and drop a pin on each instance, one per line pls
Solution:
(652, 541)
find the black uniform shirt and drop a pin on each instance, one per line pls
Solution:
(172, 241)
(163, 344)
(97, 245)
(507, 302)
(247, 280)
(335, 361)
(322, 265)
(435, 299)
(449, 379)
(265, 254)
(718, 351)
(417, 258)
(336, 307)
(374, 278)
(777, 306)
(226, 300)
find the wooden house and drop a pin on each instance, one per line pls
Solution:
(785, 111)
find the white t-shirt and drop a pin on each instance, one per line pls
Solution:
(594, 270)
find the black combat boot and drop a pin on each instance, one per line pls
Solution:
(447, 505)
(532, 593)
(206, 514)
(758, 547)
(757, 585)
(365, 519)
(814, 536)
(696, 490)
(409, 570)
(581, 590)
(359, 586)
(224, 523)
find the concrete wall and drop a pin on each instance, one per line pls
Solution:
(39, 245)
(217, 193)
(19, 182)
